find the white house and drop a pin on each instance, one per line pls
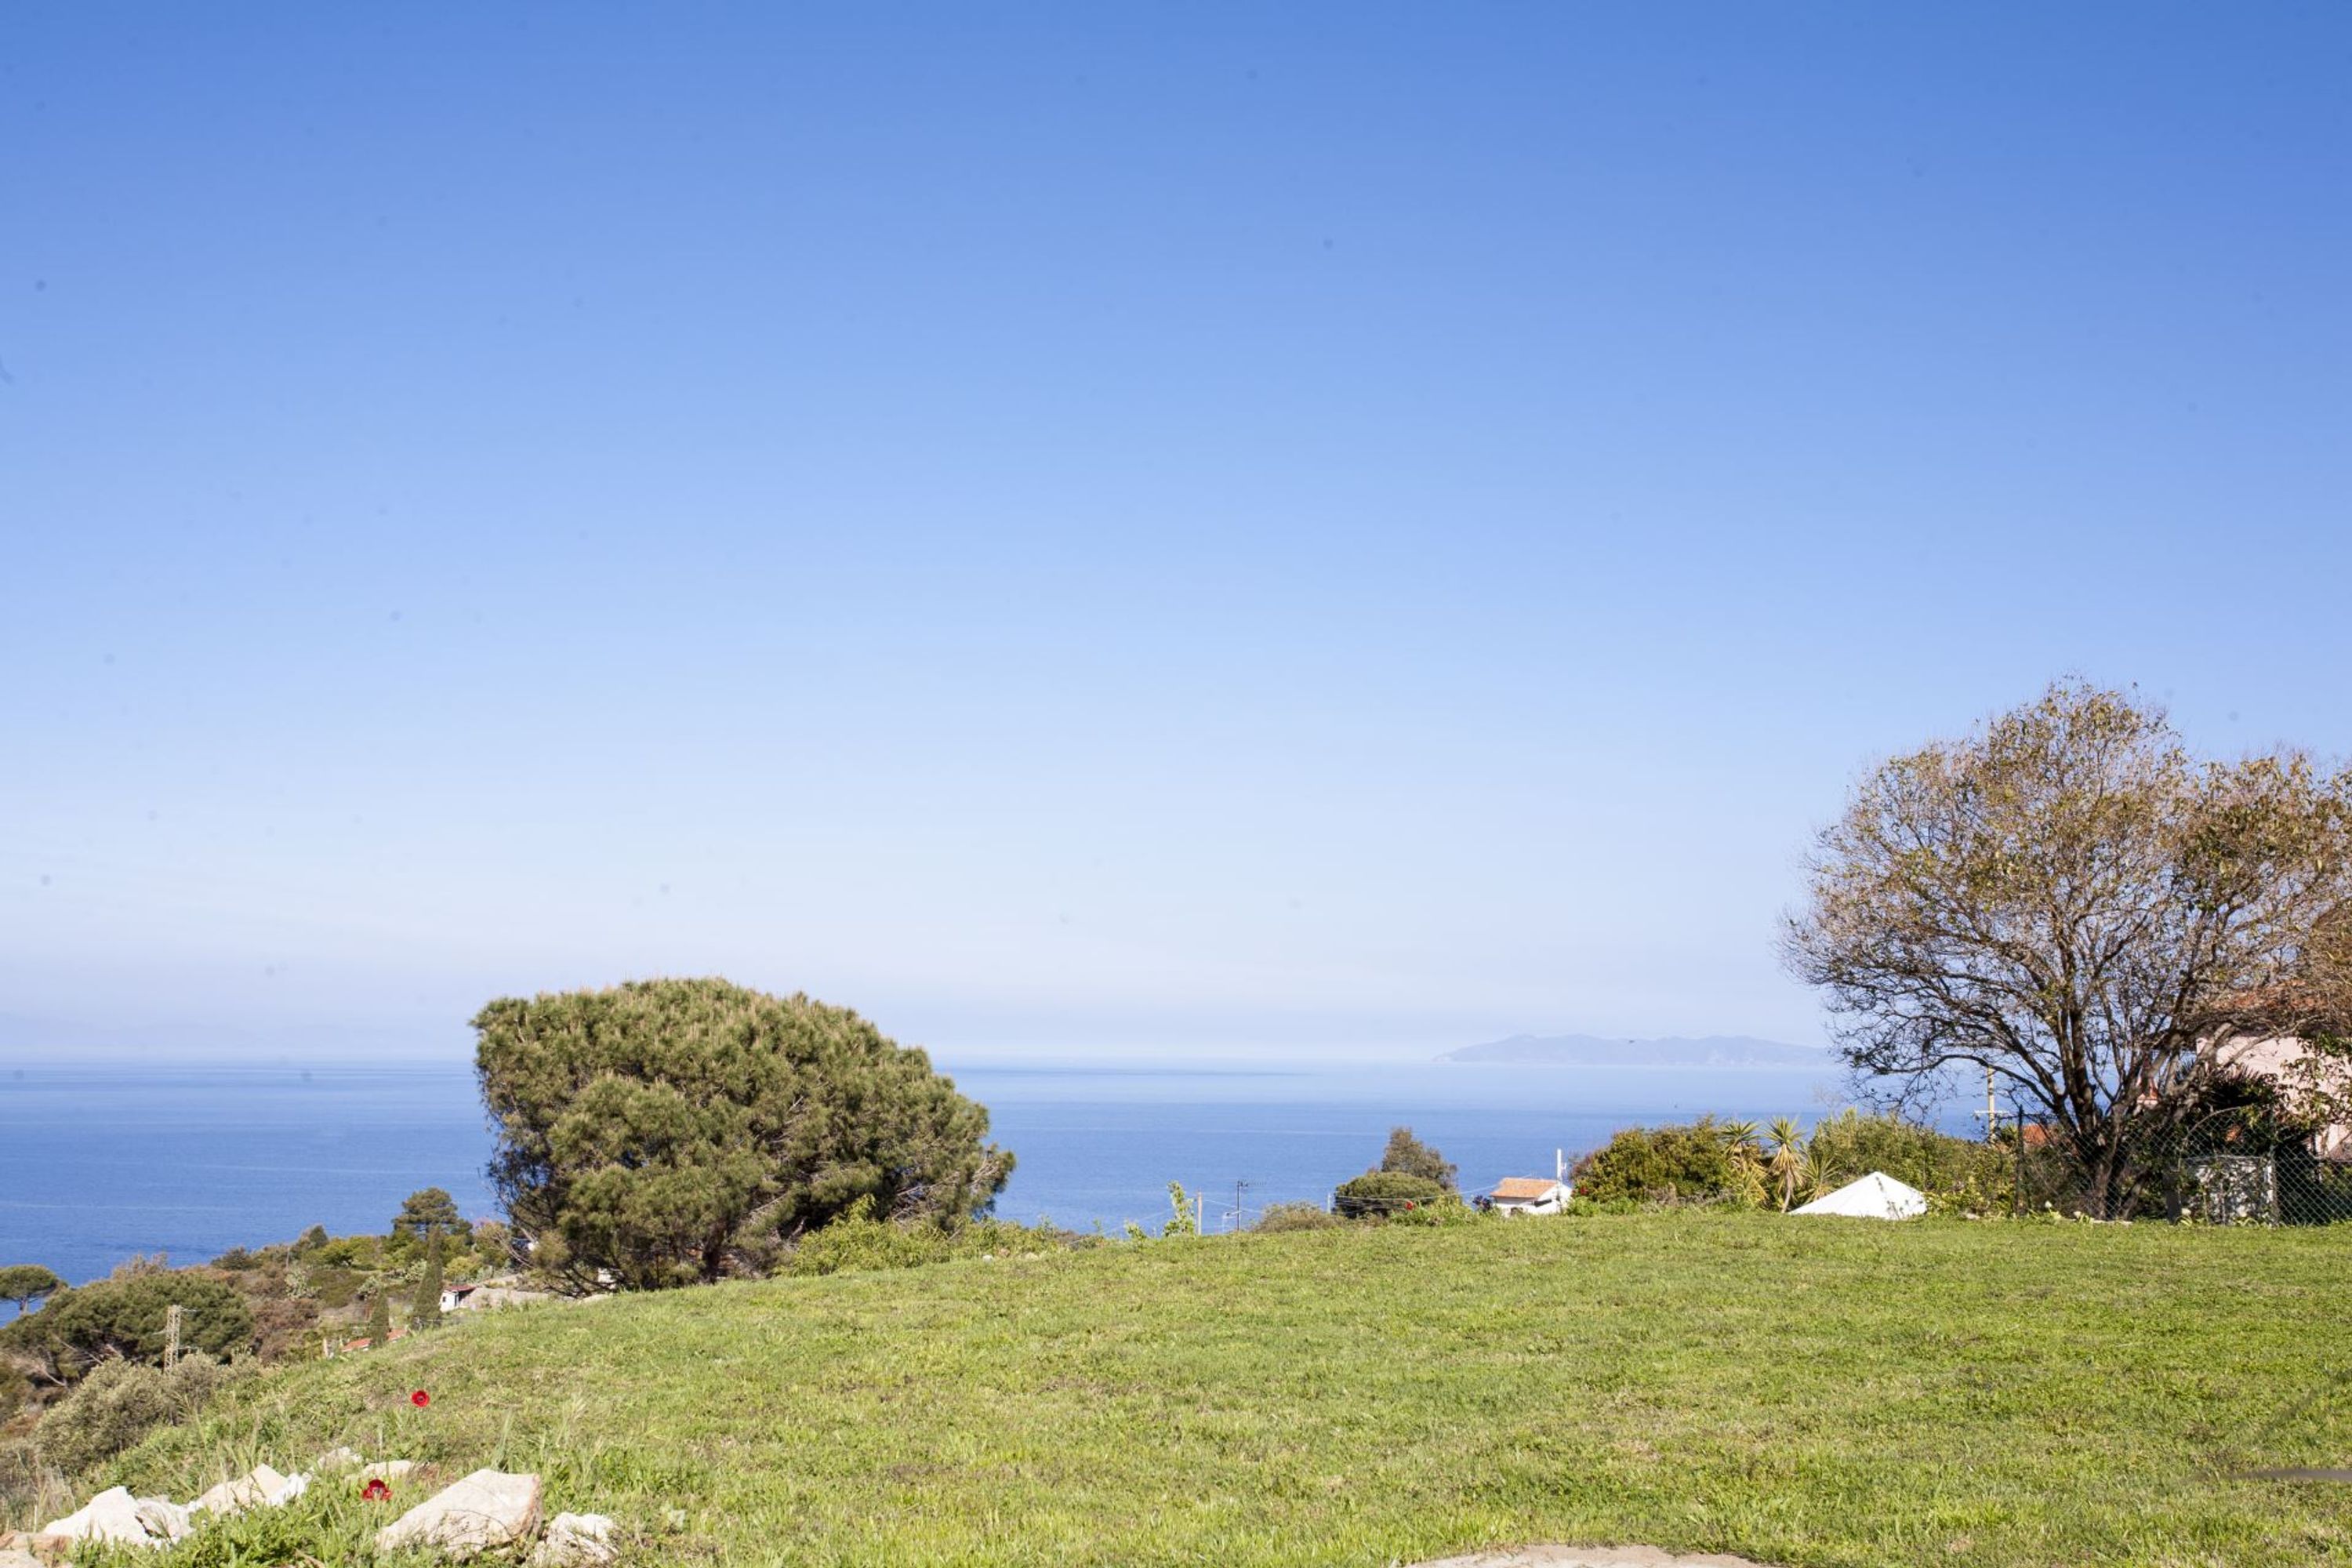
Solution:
(489, 1294)
(1530, 1194)
(2298, 1074)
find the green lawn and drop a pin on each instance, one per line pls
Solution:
(1799, 1392)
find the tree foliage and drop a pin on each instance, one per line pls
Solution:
(426, 1216)
(24, 1283)
(673, 1131)
(125, 1318)
(379, 1320)
(424, 1312)
(1408, 1155)
(2068, 899)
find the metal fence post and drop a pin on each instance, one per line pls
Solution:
(2017, 1203)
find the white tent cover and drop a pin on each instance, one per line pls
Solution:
(1876, 1196)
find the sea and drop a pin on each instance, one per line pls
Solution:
(102, 1162)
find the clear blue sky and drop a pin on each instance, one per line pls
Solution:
(1136, 528)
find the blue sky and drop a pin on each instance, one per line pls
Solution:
(1073, 530)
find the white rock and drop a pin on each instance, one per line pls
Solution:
(294, 1487)
(164, 1520)
(115, 1515)
(17, 1557)
(387, 1469)
(259, 1487)
(487, 1509)
(336, 1459)
(576, 1541)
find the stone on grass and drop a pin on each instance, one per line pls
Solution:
(487, 1511)
(259, 1487)
(576, 1541)
(115, 1515)
(17, 1557)
(335, 1460)
(386, 1469)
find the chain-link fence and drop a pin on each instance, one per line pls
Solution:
(2230, 1167)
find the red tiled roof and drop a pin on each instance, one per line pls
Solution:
(1525, 1187)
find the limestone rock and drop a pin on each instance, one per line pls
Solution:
(17, 1557)
(115, 1515)
(387, 1469)
(46, 1549)
(487, 1509)
(576, 1541)
(335, 1460)
(260, 1487)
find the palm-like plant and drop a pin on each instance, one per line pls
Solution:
(1747, 1157)
(1789, 1165)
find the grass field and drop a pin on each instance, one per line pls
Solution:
(1799, 1392)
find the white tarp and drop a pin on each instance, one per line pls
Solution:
(1876, 1196)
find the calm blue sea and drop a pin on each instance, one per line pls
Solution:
(99, 1162)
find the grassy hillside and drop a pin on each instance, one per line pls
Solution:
(1801, 1392)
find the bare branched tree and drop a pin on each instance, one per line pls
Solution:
(2070, 899)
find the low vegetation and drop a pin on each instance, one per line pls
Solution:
(1813, 1392)
(1734, 1164)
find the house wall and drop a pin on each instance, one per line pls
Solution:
(2286, 1061)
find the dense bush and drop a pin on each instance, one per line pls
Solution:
(119, 1403)
(1297, 1216)
(1447, 1209)
(1375, 1194)
(1952, 1172)
(859, 1243)
(1662, 1164)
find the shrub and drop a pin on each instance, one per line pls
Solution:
(1948, 1169)
(858, 1242)
(15, 1388)
(1279, 1217)
(1378, 1192)
(1447, 1209)
(119, 1403)
(1660, 1165)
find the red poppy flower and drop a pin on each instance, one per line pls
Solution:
(420, 1399)
(375, 1490)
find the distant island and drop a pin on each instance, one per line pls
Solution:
(1593, 1051)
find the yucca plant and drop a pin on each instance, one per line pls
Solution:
(1789, 1165)
(1747, 1157)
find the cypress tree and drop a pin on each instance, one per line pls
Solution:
(378, 1321)
(426, 1311)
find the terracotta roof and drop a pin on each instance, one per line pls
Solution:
(1525, 1187)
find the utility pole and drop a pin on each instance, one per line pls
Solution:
(170, 1336)
(1238, 1186)
(1991, 1115)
